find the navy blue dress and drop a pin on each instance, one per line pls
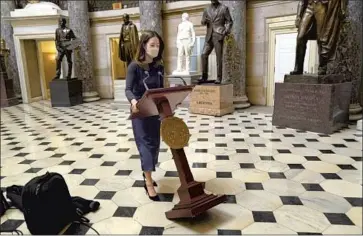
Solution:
(146, 130)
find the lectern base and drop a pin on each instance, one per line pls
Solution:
(195, 208)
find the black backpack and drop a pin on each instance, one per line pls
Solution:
(47, 205)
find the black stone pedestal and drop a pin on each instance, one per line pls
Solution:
(65, 93)
(315, 107)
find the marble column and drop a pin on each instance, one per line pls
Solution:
(7, 35)
(234, 54)
(79, 22)
(150, 16)
(348, 60)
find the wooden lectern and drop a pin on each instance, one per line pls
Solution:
(175, 133)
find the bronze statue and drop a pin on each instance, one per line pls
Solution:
(129, 40)
(219, 23)
(318, 20)
(63, 42)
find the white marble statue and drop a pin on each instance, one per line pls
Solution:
(185, 40)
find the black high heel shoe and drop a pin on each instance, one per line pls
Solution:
(154, 183)
(153, 198)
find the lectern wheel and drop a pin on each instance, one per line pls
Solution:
(174, 132)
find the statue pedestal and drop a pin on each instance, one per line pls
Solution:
(119, 86)
(175, 80)
(66, 93)
(211, 99)
(312, 106)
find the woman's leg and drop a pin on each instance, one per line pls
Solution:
(147, 138)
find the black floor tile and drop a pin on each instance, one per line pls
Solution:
(298, 145)
(66, 163)
(105, 195)
(77, 171)
(338, 219)
(90, 182)
(134, 157)
(22, 154)
(26, 162)
(326, 151)
(357, 158)
(199, 165)
(231, 199)
(96, 156)
(222, 157)
(330, 176)
(108, 163)
(224, 175)
(229, 232)
(85, 149)
(277, 175)
(254, 186)
(146, 230)
(125, 212)
(355, 202)
(166, 197)
(247, 165)
(349, 140)
(291, 200)
(312, 187)
(33, 170)
(123, 150)
(339, 145)
(264, 216)
(267, 158)
(11, 224)
(283, 151)
(201, 150)
(259, 145)
(347, 167)
(171, 174)
(242, 151)
(312, 158)
(221, 145)
(296, 166)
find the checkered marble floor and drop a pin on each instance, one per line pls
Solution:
(278, 180)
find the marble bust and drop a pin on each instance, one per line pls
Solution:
(185, 40)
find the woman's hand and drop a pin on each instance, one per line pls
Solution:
(134, 108)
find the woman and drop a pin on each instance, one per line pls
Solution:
(146, 68)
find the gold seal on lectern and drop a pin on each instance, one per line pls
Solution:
(174, 132)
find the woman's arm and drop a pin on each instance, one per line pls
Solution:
(131, 77)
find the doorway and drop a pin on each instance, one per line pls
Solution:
(118, 67)
(282, 35)
(47, 54)
(285, 46)
(32, 70)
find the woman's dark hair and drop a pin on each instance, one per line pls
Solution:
(144, 39)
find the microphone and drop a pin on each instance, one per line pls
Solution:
(144, 80)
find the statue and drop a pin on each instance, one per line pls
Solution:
(129, 40)
(318, 20)
(65, 42)
(219, 23)
(185, 40)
